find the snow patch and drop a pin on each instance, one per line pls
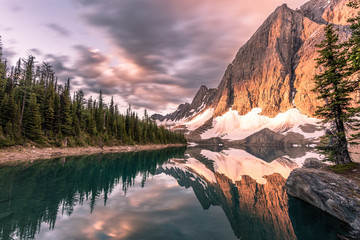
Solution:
(200, 169)
(199, 120)
(192, 144)
(235, 163)
(233, 126)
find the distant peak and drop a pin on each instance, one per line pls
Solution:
(282, 7)
(204, 87)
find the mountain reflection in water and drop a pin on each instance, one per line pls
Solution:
(233, 186)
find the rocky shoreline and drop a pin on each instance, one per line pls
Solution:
(21, 154)
(336, 194)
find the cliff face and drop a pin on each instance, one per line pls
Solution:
(275, 69)
(261, 74)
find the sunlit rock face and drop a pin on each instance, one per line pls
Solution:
(274, 71)
(261, 73)
(251, 191)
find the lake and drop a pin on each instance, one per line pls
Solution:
(174, 193)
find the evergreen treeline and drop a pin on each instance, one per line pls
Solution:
(35, 108)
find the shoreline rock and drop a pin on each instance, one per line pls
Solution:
(333, 193)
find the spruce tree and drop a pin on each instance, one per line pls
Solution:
(2, 63)
(100, 114)
(49, 115)
(334, 87)
(32, 120)
(2, 74)
(65, 110)
(353, 54)
(6, 110)
(353, 43)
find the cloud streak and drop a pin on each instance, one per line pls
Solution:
(166, 47)
(58, 29)
(155, 54)
(152, 53)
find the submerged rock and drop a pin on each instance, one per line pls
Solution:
(335, 194)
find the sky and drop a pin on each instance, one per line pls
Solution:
(153, 54)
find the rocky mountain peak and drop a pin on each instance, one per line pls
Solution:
(261, 74)
(198, 99)
(273, 71)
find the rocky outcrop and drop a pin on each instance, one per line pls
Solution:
(331, 192)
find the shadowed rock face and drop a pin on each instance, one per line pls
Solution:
(274, 70)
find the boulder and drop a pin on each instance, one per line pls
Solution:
(335, 194)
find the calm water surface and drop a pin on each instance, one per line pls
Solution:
(174, 193)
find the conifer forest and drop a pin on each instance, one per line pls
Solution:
(36, 109)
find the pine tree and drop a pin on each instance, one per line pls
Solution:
(16, 122)
(353, 43)
(7, 110)
(65, 103)
(2, 63)
(80, 102)
(32, 120)
(57, 114)
(353, 54)
(100, 114)
(49, 115)
(334, 87)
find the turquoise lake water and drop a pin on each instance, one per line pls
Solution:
(175, 193)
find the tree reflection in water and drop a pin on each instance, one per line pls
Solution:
(32, 193)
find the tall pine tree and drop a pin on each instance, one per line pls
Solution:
(65, 103)
(334, 87)
(32, 120)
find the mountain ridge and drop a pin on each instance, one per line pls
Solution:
(272, 71)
